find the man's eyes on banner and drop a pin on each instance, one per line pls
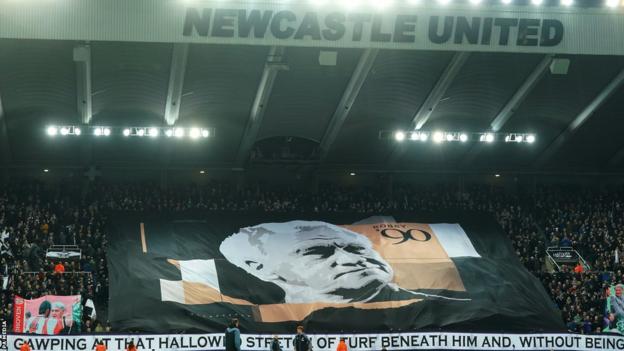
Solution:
(330, 250)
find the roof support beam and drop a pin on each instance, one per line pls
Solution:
(438, 91)
(512, 105)
(179, 58)
(433, 99)
(274, 63)
(581, 118)
(351, 92)
(82, 57)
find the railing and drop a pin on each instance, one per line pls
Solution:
(562, 255)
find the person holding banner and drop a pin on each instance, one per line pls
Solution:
(232, 336)
(275, 344)
(301, 342)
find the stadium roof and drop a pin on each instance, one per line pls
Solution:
(296, 105)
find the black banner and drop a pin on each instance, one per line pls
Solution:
(333, 273)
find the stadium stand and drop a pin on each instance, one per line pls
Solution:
(34, 216)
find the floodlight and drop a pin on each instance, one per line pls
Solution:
(449, 137)
(613, 3)
(169, 133)
(153, 132)
(77, 131)
(567, 2)
(52, 130)
(64, 130)
(140, 132)
(424, 136)
(414, 136)
(475, 2)
(399, 136)
(97, 131)
(194, 133)
(530, 138)
(506, 2)
(106, 131)
(126, 132)
(178, 132)
(537, 2)
(438, 137)
(205, 133)
(463, 137)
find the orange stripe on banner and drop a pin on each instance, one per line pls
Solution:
(143, 242)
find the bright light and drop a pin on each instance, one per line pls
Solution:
(351, 4)
(424, 136)
(153, 132)
(463, 137)
(414, 136)
(613, 3)
(169, 133)
(77, 131)
(205, 133)
(567, 2)
(530, 138)
(449, 137)
(519, 138)
(202, 172)
(382, 4)
(487, 137)
(52, 130)
(46, 170)
(444, 2)
(506, 2)
(414, 2)
(178, 132)
(399, 136)
(126, 132)
(141, 132)
(475, 2)
(194, 133)
(537, 2)
(438, 137)
(352, 174)
(318, 2)
(106, 131)
(64, 131)
(97, 131)
(497, 175)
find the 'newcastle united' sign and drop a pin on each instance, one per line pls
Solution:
(494, 28)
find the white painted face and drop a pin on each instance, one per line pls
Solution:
(310, 261)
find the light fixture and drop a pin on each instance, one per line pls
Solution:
(46, 170)
(414, 2)
(153, 132)
(77, 131)
(506, 2)
(64, 130)
(463, 137)
(444, 2)
(613, 3)
(537, 2)
(106, 131)
(205, 133)
(449, 137)
(497, 175)
(178, 132)
(350, 4)
(169, 133)
(52, 130)
(424, 136)
(140, 132)
(97, 131)
(194, 133)
(414, 136)
(438, 137)
(352, 174)
(318, 2)
(382, 4)
(486, 138)
(126, 132)
(530, 138)
(475, 2)
(399, 135)
(202, 172)
(567, 2)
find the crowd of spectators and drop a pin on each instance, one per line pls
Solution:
(35, 216)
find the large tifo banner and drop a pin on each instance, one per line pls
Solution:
(428, 26)
(47, 315)
(362, 342)
(337, 273)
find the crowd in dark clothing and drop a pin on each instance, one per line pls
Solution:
(36, 216)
